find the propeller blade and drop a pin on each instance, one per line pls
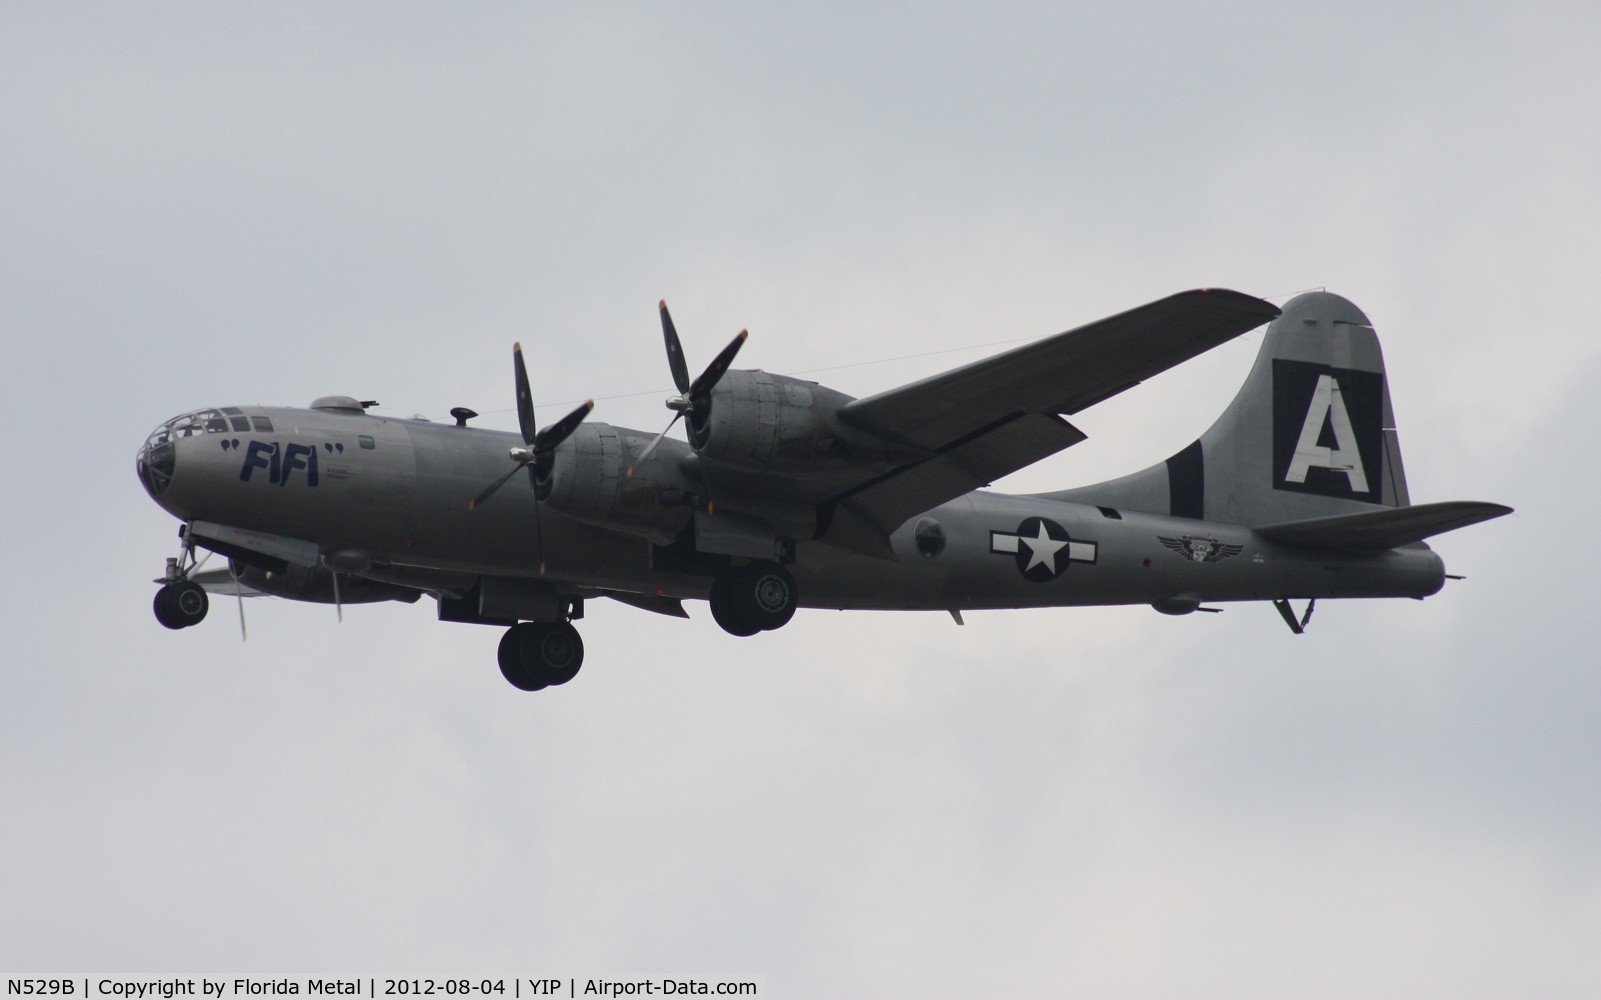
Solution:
(718, 368)
(675, 351)
(486, 494)
(652, 446)
(525, 395)
(546, 440)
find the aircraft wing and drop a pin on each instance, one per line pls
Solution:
(984, 420)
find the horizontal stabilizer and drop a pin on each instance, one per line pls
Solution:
(1382, 529)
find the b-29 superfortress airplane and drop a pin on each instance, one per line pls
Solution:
(789, 494)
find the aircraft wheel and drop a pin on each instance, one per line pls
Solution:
(511, 663)
(510, 655)
(164, 615)
(726, 611)
(536, 655)
(180, 605)
(771, 591)
(755, 598)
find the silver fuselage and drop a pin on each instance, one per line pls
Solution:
(393, 495)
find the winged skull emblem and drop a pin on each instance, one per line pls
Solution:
(1201, 550)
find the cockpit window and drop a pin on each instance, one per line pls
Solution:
(206, 422)
(158, 456)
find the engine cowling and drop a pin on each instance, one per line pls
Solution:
(764, 423)
(588, 482)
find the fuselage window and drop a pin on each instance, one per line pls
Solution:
(232, 411)
(262, 424)
(366, 441)
(239, 423)
(1109, 513)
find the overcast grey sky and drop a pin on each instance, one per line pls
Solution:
(205, 205)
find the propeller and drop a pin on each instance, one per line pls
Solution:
(694, 398)
(539, 446)
(538, 449)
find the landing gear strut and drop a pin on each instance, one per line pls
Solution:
(759, 597)
(536, 655)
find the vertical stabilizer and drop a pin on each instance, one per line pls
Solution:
(1311, 433)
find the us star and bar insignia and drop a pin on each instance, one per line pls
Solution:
(1043, 548)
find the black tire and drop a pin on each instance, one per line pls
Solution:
(163, 614)
(755, 598)
(511, 659)
(537, 655)
(726, 610)
(180, 605)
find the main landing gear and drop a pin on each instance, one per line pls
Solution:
(537, 655)
(755, 598)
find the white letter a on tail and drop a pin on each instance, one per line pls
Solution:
(1328, 405)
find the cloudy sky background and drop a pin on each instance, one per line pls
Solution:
(210, 206)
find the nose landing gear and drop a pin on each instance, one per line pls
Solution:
(181, 602)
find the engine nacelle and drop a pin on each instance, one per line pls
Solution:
(759, 422)
(588, 482)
